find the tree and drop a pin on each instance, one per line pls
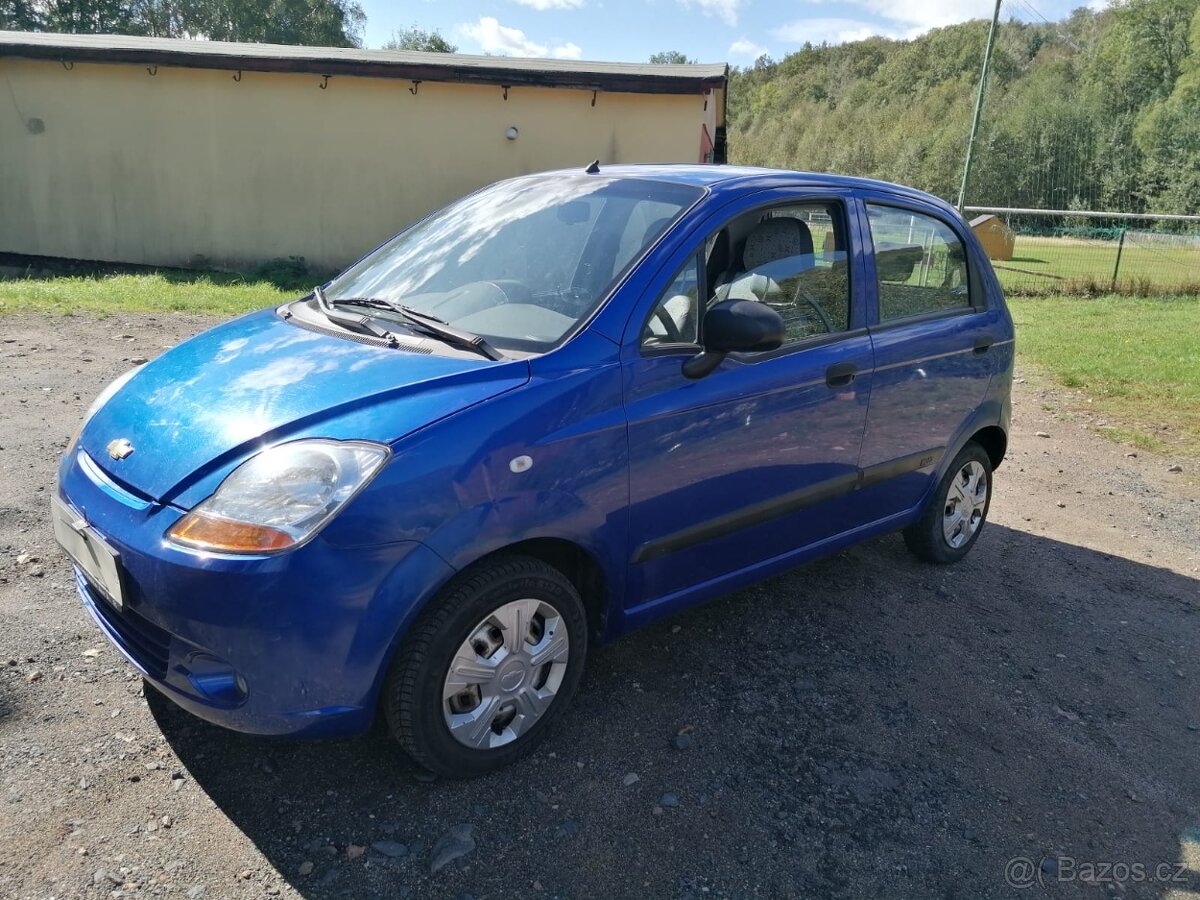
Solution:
(415, 38)
(89, 17)
(328, 23)
(332, 23)
(18, 15)
(1168, 133)
(671, 57)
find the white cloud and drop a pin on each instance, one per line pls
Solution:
(897, 19)
(921, 15)
(725, 10)
(828, 31)
(747, 49)
(492, 37)
(567, 51)
(542, 5)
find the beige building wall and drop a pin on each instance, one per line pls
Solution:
(190, 167)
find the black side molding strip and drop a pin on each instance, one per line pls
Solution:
(894, 468)
(783, 505)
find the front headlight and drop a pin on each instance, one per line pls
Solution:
(103, 397)
(281, 497)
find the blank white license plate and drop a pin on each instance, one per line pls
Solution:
(89, 551)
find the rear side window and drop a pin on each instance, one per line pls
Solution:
(920, 263)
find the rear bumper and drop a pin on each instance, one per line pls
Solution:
(294, 644)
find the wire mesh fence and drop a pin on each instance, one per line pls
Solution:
(1081, 252)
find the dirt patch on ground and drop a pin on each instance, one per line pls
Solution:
(866, 726)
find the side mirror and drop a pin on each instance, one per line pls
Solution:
(736, 326)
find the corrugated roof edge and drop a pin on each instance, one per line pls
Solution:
(405, 64)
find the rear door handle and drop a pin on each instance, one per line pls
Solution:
(984, 344)
(840, 374)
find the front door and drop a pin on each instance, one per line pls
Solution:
(755, 460)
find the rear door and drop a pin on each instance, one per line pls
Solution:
(932, 335)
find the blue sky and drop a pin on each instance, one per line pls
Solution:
(733, 31)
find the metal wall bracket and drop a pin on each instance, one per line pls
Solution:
(506, 87)
(324, 82)
(238, 76)
(152, 70)
(416, 86)
(67, 64)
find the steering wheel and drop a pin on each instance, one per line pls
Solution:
(801, 294)
(674, 336)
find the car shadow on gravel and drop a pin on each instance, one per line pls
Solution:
(865, 726)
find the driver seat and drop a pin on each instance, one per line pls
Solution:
(773, 240)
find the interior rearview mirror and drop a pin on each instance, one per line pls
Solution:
(735, 326)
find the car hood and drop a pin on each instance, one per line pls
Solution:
(200, 409)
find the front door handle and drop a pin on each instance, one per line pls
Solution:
(840, 374)
(984, 344)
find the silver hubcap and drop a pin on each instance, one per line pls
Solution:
(506, 674)
(965, 503)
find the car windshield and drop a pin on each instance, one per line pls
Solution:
(522, 262)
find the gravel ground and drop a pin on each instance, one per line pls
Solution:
(865, 727)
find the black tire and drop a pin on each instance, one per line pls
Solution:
(412, 694)
(926, 538)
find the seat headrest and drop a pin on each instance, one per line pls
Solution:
(775, 239)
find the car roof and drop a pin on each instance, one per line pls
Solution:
(724, 178)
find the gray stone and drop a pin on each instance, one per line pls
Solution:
(630, 779)
(390, 849)
(456, 843)
(681, 741)
(569, 828)
(668, 800)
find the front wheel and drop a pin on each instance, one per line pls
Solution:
(487, 668)
(955, 515)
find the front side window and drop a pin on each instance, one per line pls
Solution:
(521, 262)
(920, 264)
(675, 319)
(793, 258)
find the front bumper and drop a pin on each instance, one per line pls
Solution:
(282, 645)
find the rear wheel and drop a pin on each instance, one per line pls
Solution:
(955, 515)
(488, 668)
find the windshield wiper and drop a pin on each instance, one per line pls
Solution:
(349, 320)
(430, 324)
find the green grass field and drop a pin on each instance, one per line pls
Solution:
(1071, 265)
(1138, 358)
(209, 293)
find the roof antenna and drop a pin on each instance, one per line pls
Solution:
(594, 168)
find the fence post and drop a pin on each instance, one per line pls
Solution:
(1117, 267)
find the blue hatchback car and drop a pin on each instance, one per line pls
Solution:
(562, 407)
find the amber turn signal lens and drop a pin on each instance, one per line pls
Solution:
(226, 536)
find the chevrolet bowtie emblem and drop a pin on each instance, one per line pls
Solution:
(120, 448)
